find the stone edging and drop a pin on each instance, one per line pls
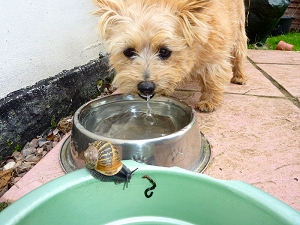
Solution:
(31, 110)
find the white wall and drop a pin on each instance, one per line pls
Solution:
(40, 38)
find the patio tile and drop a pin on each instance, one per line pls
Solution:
(256, 140)
(274, 56)
(287, 75)
(257, 84)
(254, 134)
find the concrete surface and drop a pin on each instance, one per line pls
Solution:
(255, 134)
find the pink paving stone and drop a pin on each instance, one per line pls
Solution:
(287, 75)
(257, 84)
(274, 56)
(255, 136)
(257, 142)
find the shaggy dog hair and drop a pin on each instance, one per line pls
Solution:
(155, 45)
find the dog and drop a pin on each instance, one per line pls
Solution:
(156, 45)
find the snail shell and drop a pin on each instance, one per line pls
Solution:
(103, 157)
(103, 161)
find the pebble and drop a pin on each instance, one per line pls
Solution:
(32, 158)
(27, 151)
(56, 139)
(48, 146)
(54, 143)
(42, 141)
(16, 179)
(24, 167)
(10, 160)
(39, 151)
(21, 162)
(9, 165)
(34, 142)
(31, 144)
(18, 163)
(21, 174)
(65, 125)
(18, 156)
(44, 153)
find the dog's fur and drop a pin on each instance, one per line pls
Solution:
(206, 39)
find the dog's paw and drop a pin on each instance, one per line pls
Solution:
(238, 80)
(206, 107)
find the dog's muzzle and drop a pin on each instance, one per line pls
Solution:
(146, 89)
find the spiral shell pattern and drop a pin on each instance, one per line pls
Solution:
(103, 157)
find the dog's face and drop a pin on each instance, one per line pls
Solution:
(151, 43)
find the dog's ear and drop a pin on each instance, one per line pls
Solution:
(193, 22)
(109, 12)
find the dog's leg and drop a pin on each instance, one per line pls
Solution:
(239, 57)
(209, 101)
(212, 86)
(238, 67)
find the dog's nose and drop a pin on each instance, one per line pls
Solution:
(146, 87)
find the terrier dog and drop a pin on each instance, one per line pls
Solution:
(155, 45)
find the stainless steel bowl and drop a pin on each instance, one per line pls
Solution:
(184, 146)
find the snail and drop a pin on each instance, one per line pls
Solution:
(103, 161)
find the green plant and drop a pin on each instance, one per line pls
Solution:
(9, 143)
(17, 148)
(53, 123)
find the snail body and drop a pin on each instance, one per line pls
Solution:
(103, 161)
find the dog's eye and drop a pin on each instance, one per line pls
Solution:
(129, 52)
(164, 53)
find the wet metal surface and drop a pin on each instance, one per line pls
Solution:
(68, 165)
(182, 148)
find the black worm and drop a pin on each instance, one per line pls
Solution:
(150, 188)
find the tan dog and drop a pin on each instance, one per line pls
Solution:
(155, 45)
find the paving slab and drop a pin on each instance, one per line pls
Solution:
(286, 75)
(256, 140)
(274, 56)
(254, 134)
(257, 84)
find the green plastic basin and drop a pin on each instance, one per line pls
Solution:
(181, 197)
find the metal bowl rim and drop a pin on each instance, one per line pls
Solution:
(174, 135)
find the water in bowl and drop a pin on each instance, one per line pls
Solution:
(132, 125)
